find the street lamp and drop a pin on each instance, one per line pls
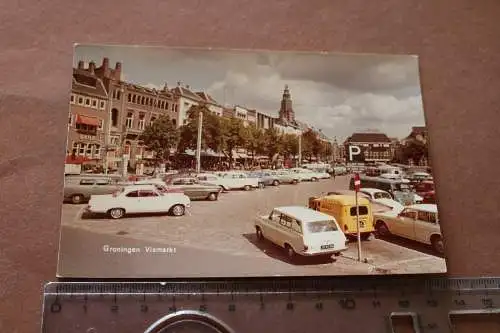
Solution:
(198, 142)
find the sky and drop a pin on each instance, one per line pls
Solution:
(338, 93)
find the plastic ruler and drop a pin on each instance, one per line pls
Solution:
(346, 304)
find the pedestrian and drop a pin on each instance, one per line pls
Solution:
(333, 173)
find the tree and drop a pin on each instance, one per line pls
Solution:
(211, 130)
(290, 145)
(273, 143)
(415, 150)
(255, 141)
(234, 135)
(159, 137)
(310, 144)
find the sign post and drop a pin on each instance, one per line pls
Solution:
(357, 187)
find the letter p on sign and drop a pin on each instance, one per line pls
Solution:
(353, 150)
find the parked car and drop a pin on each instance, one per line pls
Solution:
(340, 170)
(195, 189)
(305, 174)
(79, 188)
(301, 231)
(229, 181)
(285, 177)
(240, 181)
(398, 188)
(136, 199)
(265, 179)
(416, 222)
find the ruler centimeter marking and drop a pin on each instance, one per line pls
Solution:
(282, 305)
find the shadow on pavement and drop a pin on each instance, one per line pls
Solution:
(410, 244)
(276, 252)
(95, 216)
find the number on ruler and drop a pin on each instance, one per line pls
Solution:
(347, 303)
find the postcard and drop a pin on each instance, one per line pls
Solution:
(189, 162)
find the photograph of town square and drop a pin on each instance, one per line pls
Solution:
(185, 162)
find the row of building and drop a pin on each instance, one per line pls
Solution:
(108, 115)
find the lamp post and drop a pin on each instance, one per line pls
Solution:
(300, 150)
(198, 142)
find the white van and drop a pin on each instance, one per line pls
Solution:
(302, 231)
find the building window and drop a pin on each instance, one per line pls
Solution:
(80, 100)
(102, 105)
(88, 129)
(88, 151)
(97, 150)
(150, 102)
(101, 124)
(174, 122)
(81, 149)
(114, 117)
(153, 119)
(126, 149)
(94, 103)
(118, 94)
(143, 100)
(133, 98)
(72, 99)
(71, 120)
(87, 101)
(130, 120)
(166, 105)
(114, 140)
(176, 108)
(141, 121)
(146, 101)
(129, 97)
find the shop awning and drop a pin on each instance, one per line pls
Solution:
(86, 120)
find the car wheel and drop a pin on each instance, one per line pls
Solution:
(247, 187)
(77, 199)
(116, 213)
(437, 244)
(260, 235)
(178, 210)
(276, 182)
(382, 229)
(212, 196)
(290, 252)
(222, 189)
(314, 179)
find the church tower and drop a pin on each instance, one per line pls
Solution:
(286, 114)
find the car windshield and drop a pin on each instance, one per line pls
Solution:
(321, 226)
(382, 195)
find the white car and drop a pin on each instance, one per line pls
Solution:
(230, 181)
(416, 222)
(301, 231)
(305, 174)
(135, 199)
(322, 173)
(380, 196)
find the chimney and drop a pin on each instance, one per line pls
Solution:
(118, 71)
(81, 64)
(105, 67)
(165, 87)
(105, 63)
(92, 67)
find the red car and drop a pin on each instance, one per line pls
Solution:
(426, 190)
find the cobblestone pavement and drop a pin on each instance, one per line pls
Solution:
(223, 231)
